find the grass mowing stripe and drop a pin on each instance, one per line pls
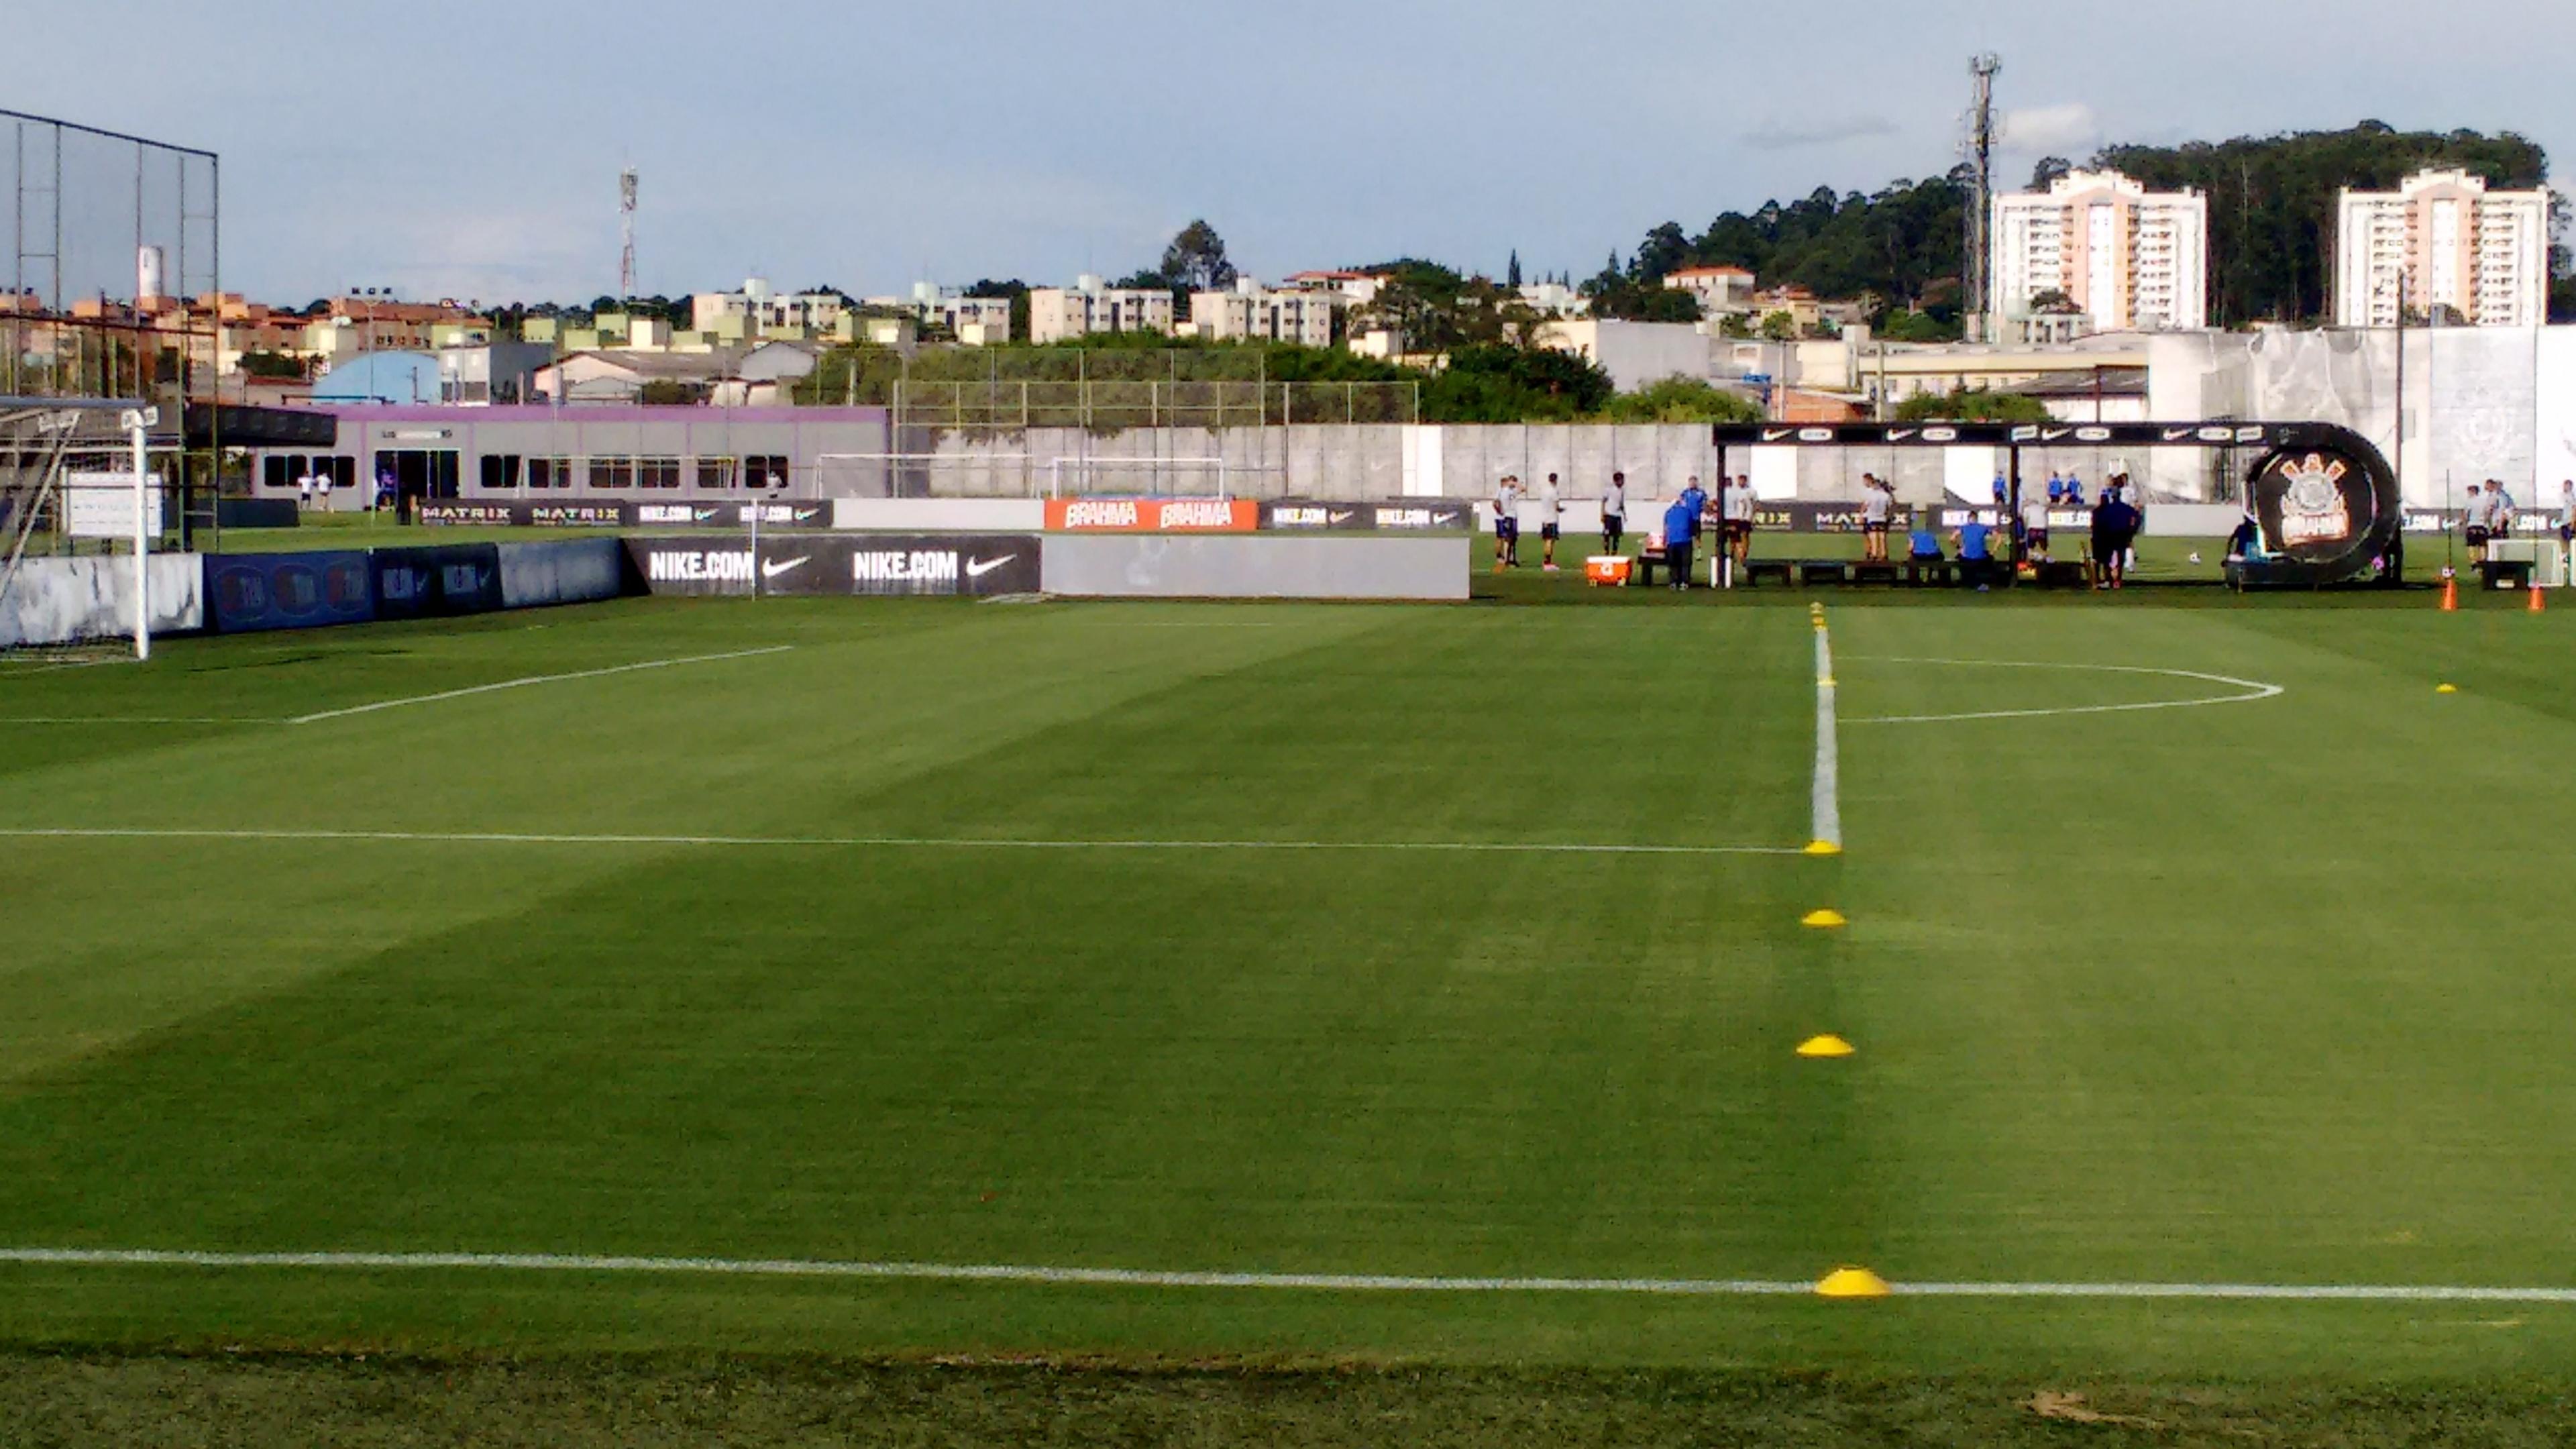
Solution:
(446, 694)
(463, 837)
(1301, 1282)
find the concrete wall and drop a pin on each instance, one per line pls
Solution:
(63, 600)
(1256, 567)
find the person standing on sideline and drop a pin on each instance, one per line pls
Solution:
(2473, 526)
(2034, 525)
(1614, 513)
(1507, 524)
(1681, 530)
(2120, 519)
(2056, 487)
(1551, 514)
(304, 492)
(2567, 512)
(1877, 509)
(2074, 491)
(1739, 521)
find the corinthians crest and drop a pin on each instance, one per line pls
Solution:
(2313, 509)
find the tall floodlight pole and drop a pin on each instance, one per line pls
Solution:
(1976, 317)
(626, 233)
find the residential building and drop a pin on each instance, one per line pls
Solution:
(1252, 312)
(1721, 290)
(2442, 240)
(1357, 288)
(351, 325)
(1555, 299)
(760, 310)
(1797, 303)
(1086, 307)
(974, 321)
(2127, 258)
(1633, 353)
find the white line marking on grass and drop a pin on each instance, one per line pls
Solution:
(1303, 1282)
(860, 842)
(941, 1272)
(137, 719)
(1828, 809)
(446, 694)
(2250, 691)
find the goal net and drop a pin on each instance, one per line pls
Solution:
(67, 525)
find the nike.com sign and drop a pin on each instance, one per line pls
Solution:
(865, 564)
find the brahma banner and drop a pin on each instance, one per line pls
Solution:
(1152, 515)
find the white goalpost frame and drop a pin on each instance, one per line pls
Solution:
(137, 419)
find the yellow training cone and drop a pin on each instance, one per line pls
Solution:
(1852, 1283)
(1824, 920)
(1825, 1046)
(1823, 847)
(2448, 689)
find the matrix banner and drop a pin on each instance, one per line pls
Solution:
(1152, 515)
(874, 564)
(621, 513)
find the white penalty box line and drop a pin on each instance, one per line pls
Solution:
(1019, 1273)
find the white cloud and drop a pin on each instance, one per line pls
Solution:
(2068, 130)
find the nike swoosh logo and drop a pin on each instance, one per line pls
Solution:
(1773, 435)
(2053, 434)
(1339, 517)
(772, 569)
(2176, 435)
(976, 568)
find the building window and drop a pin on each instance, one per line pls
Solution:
(549, 472)
(657, 472)
(716, 474)
(768, 471)
(612, 472)
(500, 472)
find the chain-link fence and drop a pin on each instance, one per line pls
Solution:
(109, 239)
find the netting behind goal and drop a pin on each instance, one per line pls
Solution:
(66, 492)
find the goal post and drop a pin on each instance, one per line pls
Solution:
(76, 471)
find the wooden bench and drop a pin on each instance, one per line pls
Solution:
(1756, 570)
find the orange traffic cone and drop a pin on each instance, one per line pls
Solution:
(2537, 600)
(2450, 596)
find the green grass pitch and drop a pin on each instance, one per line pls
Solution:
(2269, 992)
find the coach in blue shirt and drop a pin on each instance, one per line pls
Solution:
(1681, 530)
(1976, 553)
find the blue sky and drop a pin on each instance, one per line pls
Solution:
(469, 148)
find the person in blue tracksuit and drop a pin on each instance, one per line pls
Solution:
(1681, 530)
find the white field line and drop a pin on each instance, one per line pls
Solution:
(136, 719)
(1828, 809)
(1183, 1278)
(2250, 690)
(889, 842)
(446, 694)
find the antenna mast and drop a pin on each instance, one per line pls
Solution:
(1976, 317)
(626, 231)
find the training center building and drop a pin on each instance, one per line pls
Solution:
(589, 452)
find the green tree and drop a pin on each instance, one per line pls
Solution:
(1681, 400)
(1196, 261)
(1972, 405)
(1512, 273)
(271, 365)
(1779, 327)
